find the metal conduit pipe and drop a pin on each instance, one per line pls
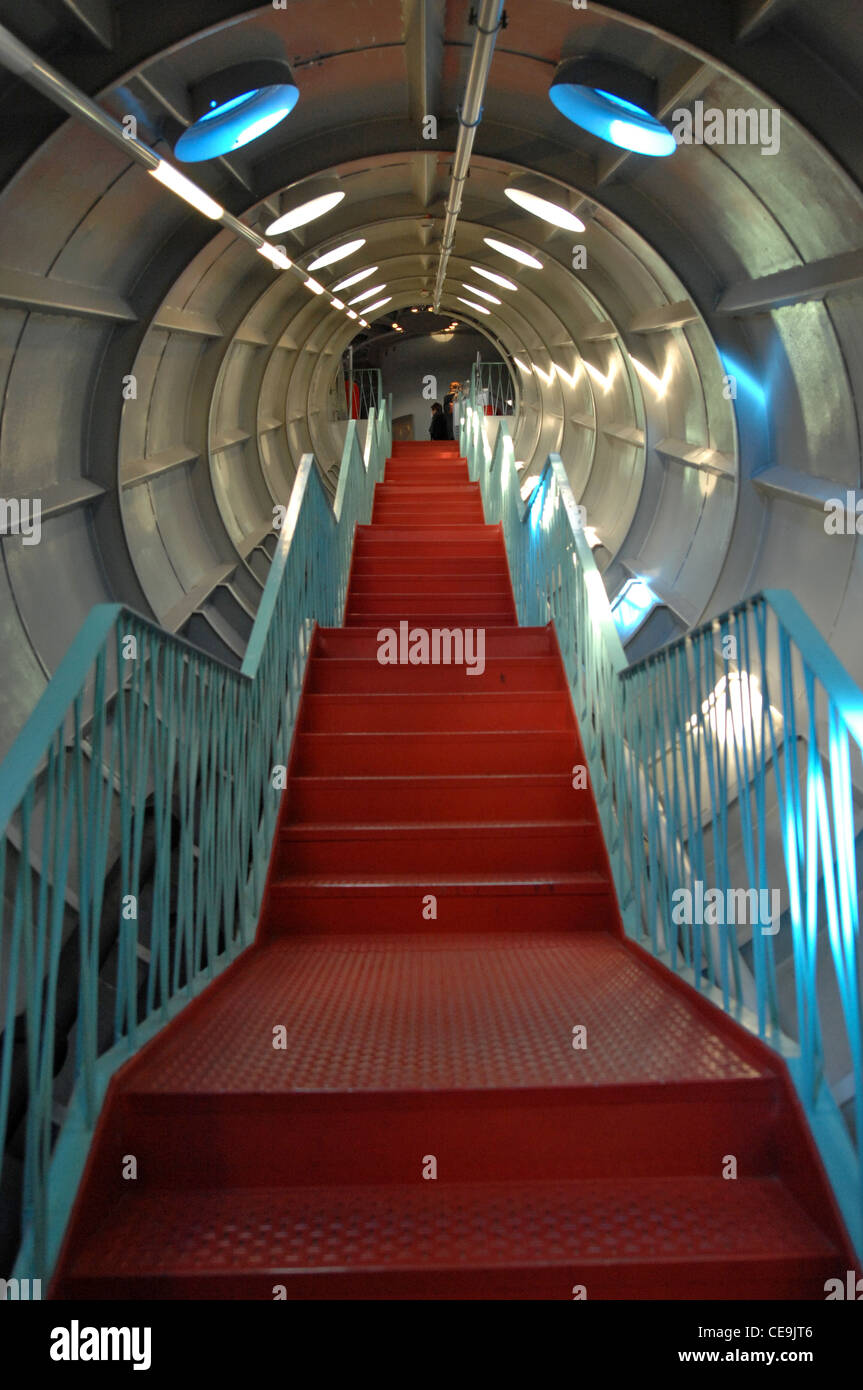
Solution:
(20, 60)
(488, 23)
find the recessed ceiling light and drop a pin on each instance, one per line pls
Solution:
(337, 254)
(367, 294)
(514, 252)
(171, 178)
(337, 304)
(494, 277)
(613, 102)
(235, 106)
(306, 212)
(314, 285)
(370, 308)
(554, 213)
(351, 313)
(354, 279)
(305, 202)
(483, 294)
(480, 307)
(363, 322)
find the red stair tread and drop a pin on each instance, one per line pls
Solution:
(386, 881)
(434, 1012)
(342, 799)
(362, 642)
(417, 830)
(435, 1225)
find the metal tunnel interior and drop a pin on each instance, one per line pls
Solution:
(695, 355)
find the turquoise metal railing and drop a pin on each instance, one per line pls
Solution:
(496, 392)
(141, 739)
(355, 392)
(723, 767)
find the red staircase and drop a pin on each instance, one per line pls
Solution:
(439, 926)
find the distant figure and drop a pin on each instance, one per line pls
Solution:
(449, 401)
(438, 427)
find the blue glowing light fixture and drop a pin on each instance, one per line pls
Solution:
(612, 101)
(236, 106)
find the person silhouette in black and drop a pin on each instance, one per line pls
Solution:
(438, 427)
(449, 401)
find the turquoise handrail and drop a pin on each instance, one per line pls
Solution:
(694, 754)
(359, 387)
(494, 384)
(138, 728)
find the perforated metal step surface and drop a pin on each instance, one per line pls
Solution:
(435, 1012)
(439, 1225)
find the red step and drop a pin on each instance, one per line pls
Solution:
(500, 642)
(464, 903)
(396, 514)
(431, 475)
(490, 583)
(403, 543)
(435, 850)
(426, 453)
(476, 610)
(435, 491)
(374, 540)
(356, 675)
(407, 477)
(361, 617)
(467, 569)
(418, 754)
(344, 799)
(457, 712)
(488, 1240)
(424, 510)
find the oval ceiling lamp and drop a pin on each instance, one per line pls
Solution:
(612, 101)
(473, 304)
(531, 195)
(355, 278)
(494, 277)
(483, 294)
(366, 294)
(513, 252)
(233, 107)
(305, 202)
(338, 253)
